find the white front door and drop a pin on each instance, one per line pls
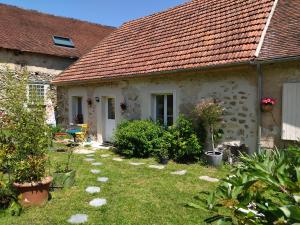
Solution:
(110, 118)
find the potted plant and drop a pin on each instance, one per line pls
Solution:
(64, 176)
(267, 104)
(29, 135)
(210, 113)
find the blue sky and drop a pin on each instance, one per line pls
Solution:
(108, 12)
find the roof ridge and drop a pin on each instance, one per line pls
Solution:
(56, 16)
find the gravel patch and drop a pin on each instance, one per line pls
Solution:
(78, 218)
(209, 179)
(92, 190)
(94, 171)
(102, 179)
(179, 172)
(159, 167)
(97, 202)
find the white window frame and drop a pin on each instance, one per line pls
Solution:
(45, 86)
(165, 122)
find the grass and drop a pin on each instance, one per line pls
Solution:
(135, 194)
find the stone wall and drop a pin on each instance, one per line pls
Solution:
(274, 76)
(236, 88)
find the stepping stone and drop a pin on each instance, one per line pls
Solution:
(92, 190)
(209, 179)
(97, 202)
(90, 155)
(118, 159)
(136, 163)
(105, 155)
(97, 163)
(159, 167)
(179, 172)
(78, 218)
(89, 159)
(83, 151)
(95, 171)
(102, 179)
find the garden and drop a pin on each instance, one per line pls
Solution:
(151, 175)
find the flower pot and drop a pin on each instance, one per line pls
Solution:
(64, 180)
(266, 107)
(164, 161)
(214, 158)
(35, 193)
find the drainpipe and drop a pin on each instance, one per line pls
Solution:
(259, 97)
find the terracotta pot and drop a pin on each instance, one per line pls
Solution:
(266, 108)
(35, 193)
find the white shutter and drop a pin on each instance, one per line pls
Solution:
(291, 112)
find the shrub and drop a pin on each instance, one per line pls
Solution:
(185, 145)
(262, 189)
(138, 138)
(25, 129)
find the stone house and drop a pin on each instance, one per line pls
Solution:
(44, 44)
(161, 65)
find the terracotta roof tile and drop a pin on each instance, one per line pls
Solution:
(196, 34)
(31, 31)
(283, 35)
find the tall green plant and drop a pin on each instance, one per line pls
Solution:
(25, 125)
(210, 113)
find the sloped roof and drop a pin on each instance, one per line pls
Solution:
(195, 34)
(283, 36)
(31, 31)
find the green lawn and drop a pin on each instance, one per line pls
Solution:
(135, 194)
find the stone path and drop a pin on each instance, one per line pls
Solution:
(83, 151)
(89, 159)
(179, 172)
(102, 179)
(92, 189)
(118, 159)
(97, 202)
(97, 164)
(136, 163)
(105, 155)
(94, 171)
(209, 179)
(78, 218)
(159, 167)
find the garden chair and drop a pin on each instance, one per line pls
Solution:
(81, 136)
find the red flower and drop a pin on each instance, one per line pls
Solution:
(268, 101)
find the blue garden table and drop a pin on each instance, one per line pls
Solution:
(73, 132)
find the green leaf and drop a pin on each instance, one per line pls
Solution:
(291, 212)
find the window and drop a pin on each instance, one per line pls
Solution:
(111, 115)
(62, 41)
(291, 112)
(77, 110)
(37, 90)
(164, 109)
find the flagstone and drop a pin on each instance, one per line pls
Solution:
(105, 155)
(102, 179)
(136, 163)
(92, 189)
(159, 167)
(97, 202)
(97, 163)
(89, 159)
(94, 171)
(179, 172)
(209, 179)
(83, 151)
(78, 218)
(118, 159)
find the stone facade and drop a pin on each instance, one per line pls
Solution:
(42, 68)
(274, 76)
(236, 88)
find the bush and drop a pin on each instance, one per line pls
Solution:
(27, 136)
(185, 145)
(262, 189)
(138, 138)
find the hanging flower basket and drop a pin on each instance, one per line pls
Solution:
(267, 104)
